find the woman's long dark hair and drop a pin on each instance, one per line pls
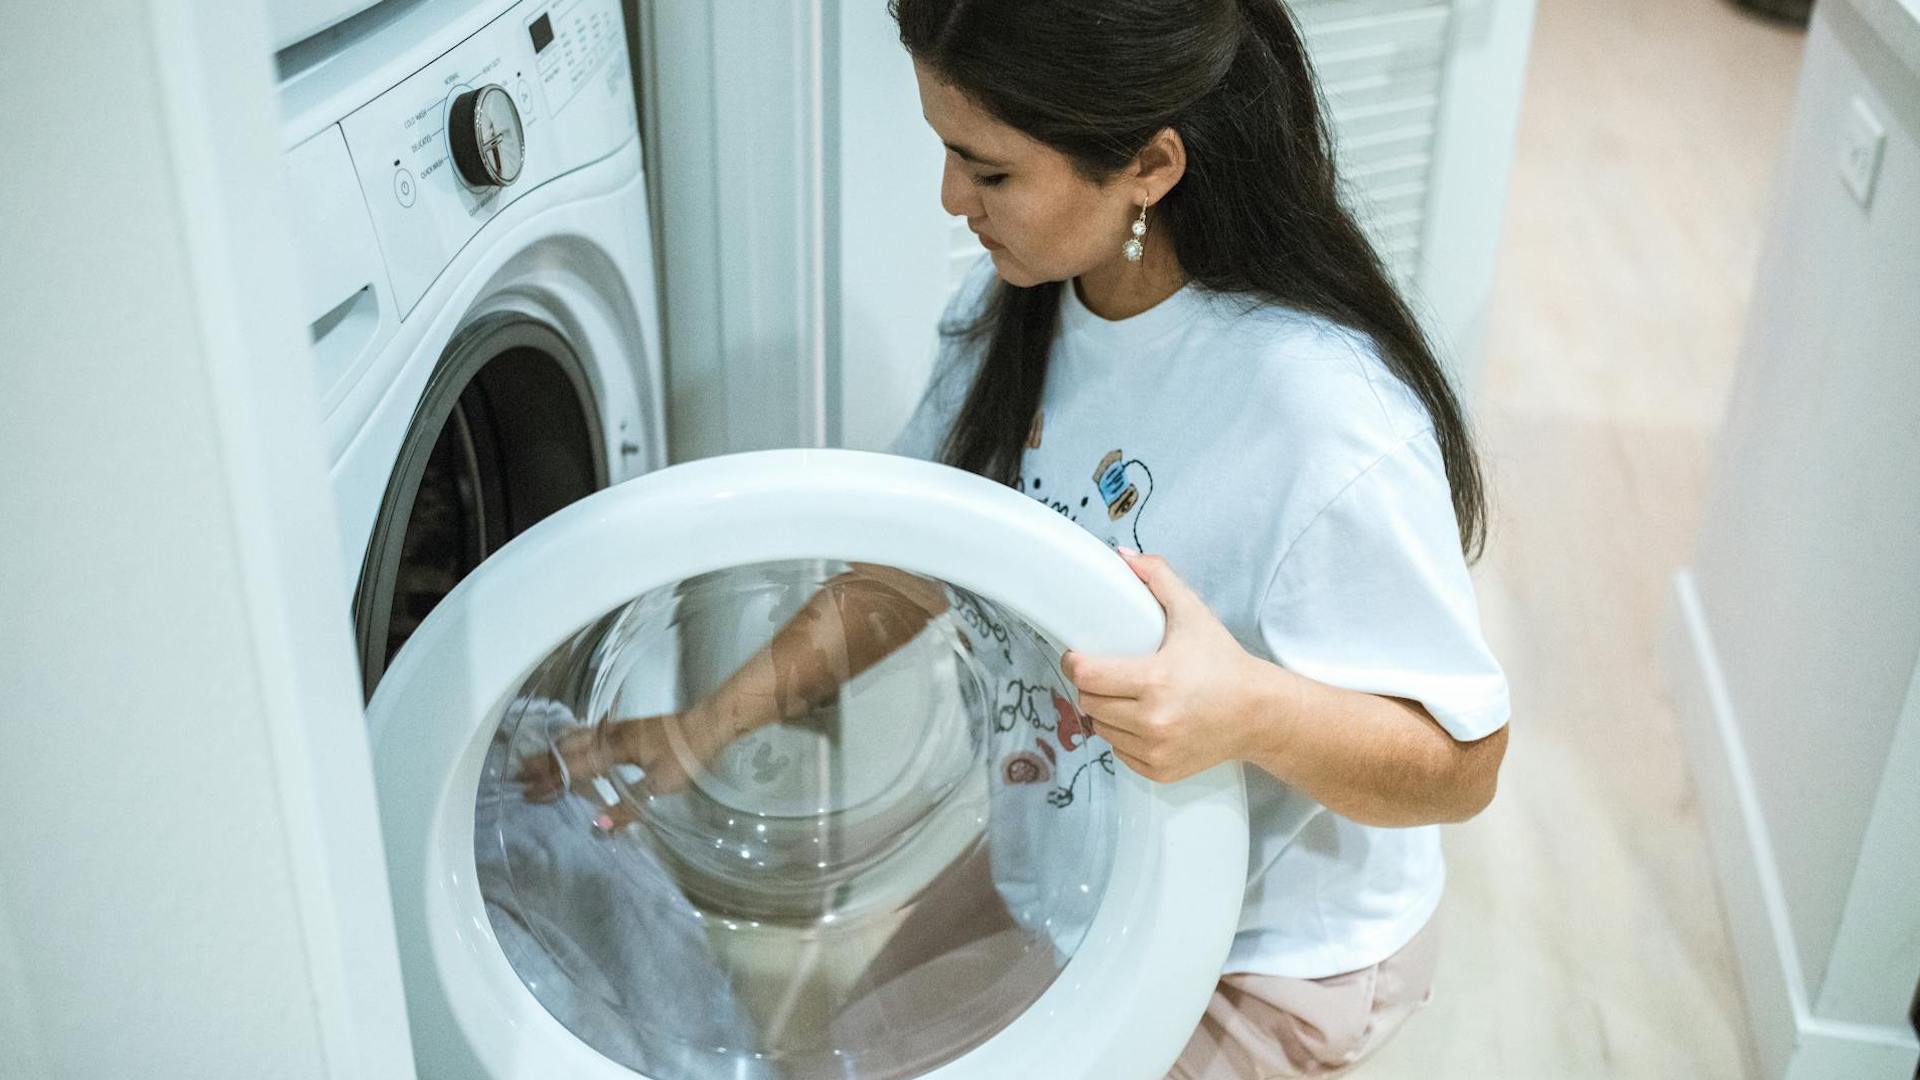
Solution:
(1257, 213)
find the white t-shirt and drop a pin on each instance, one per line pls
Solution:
(1295, 483)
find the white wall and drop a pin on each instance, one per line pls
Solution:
(735, 95)
(892, 256)
(191, 881)
(1802, 607)
(1806, 559)
(803, 244)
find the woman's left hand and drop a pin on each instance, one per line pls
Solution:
(1186, 708)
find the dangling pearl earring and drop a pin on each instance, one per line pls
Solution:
(1134, 248)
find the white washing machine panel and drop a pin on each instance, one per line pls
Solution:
(403, 250)
(564, 65)
(938, 872)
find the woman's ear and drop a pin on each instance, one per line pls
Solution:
(1160, 164)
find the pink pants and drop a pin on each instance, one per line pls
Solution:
(961, 941)
(1258, 1027)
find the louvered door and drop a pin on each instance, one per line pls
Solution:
(1380, 64)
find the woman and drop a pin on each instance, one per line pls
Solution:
(1314, 494)
(1182, 341)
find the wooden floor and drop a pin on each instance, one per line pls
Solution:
(1583, 930)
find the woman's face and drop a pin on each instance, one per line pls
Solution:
(1040, 220)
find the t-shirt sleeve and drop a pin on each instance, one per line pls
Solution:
(1374, 595)
(926, 429)
(954, 364)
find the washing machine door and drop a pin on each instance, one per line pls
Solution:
(763, 766)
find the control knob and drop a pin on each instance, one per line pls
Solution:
(485, 136)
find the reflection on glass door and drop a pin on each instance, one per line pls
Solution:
(796, 819)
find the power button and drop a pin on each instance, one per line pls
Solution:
(404, 188)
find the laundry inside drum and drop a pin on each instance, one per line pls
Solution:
(794, 819)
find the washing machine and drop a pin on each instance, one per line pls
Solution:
(470, 218)
(898, 850)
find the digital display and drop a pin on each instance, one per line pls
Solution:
(541, 30)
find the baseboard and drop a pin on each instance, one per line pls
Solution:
(1788, 1041)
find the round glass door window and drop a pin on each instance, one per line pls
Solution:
(796, 819)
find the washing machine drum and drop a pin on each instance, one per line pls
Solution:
(763, 766)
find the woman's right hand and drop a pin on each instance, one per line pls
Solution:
(849, 625)
(664, 747)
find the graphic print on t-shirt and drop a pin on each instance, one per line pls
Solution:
(1110, 479)
(1122, 486)
(1040, 713)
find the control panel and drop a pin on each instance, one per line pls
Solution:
(542, 90)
